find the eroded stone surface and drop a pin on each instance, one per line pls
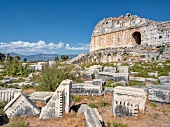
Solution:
(164, 80)
(92, 116)
(59, 103)
(20, 105)
(159, 93)
(127, 101)
(7, 94)
(41, 96)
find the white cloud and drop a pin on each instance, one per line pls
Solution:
(83, 47)
(30, 47)
(27, 48)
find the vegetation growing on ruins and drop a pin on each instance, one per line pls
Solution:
(116, 124)
(135, 83)
(51, 78)
(18, 123)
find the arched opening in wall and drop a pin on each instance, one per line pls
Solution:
(137, 37)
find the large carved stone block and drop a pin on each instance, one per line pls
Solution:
(164, 80)
(41, 96)
(159, 93)
(92, 116)
(20, 105)
(127, 101)
(7, 94)
(59, 103)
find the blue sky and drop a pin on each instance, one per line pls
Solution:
(64, 26)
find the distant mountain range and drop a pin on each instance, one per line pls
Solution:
(39, 57)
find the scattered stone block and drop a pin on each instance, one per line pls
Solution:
(59, 103)
(109, 69)
(92, 116)
(88, 76)
(153, 74)
(159, 93)
(41, 96)
(88, 88)
(127, 101)
(123, 69)
(20, 105)
(113, 76)
(108, 90)
(7, 94)
(164, 80)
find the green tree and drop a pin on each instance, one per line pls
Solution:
(51, 78)
(25, 59)
(17, 58)
(9, 58)
(161, 50)
(2, 57)
(56, 58)
(64, 57)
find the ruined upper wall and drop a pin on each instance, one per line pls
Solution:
(108, 25)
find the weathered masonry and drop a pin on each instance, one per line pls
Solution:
(129, 31)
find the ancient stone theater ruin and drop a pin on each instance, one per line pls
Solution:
(127, 38)
(128, 31)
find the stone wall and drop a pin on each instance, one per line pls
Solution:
(128, 31)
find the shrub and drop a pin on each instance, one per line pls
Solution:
(27, 86)
(135, 83)
(153, 104)
(18, 123)
(93, 105)
(117, 124)
(76, 98)
(2, 105)
(51, 78)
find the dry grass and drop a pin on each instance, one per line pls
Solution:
(158, 116)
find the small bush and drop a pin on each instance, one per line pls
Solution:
(108, 83)
(103, 103)
(27, 87)
(18, 123)
(116, 124)
(135, 83)
(93, 105)
(2, 105)
(76, 98)
(153, 104)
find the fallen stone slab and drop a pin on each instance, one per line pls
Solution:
(123, 69)
(41, 96)
(21, 105)
(7, 94)
(59, 103)
(159, 93)
(108, 90)
(127, 101)
(113, 76)
(92, 116)
(164, 80)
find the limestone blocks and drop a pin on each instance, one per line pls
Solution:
(127, 101)
(20, 105)
(92, 116)
(88, 88)
(164, 80)
(7, 94)
(41, 96)
(59, 103)
(159, 93)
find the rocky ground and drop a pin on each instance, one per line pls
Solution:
(156, 114)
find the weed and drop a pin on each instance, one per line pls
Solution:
(93, 105)
(153, 104)
(18, 123)
(135, 83)
(116, 124)
(76, 98)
